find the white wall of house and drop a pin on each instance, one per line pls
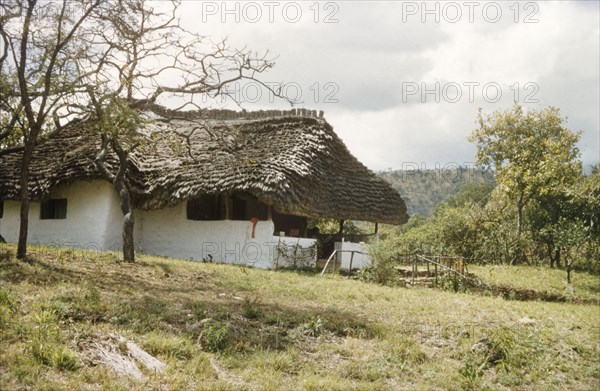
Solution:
(359, 261)
(90, 223)
(94, 221)
(168, 232)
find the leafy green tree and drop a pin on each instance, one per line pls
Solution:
(586, 198)
(472, 193)
(570, 236)
(532, 152)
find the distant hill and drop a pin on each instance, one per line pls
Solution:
(423, 190)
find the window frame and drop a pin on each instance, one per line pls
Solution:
(54, 209)
(200, 212)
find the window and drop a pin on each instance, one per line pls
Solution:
(239, 209)
(245, 206)
(1, 209)
(208, 207)
(53, 209)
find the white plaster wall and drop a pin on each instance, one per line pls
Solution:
(168, 232)
(90, 222)
(359, 261)
(94, 221)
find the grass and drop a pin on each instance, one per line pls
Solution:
(225, 327)
(584, 287)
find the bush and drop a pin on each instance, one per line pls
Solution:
(313, 327)
(215, 336)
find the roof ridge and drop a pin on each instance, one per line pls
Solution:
(226, 114)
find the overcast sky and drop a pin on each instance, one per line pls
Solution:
(401, 82)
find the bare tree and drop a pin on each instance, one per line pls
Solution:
(147, 56)
(105, 61)
(40, 74)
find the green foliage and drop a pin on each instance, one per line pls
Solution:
(532, 152)
(422, 190)
(541, 207)
(313, 327)
(471, 193)
(215, 336)
(332, 226)
(117, 120)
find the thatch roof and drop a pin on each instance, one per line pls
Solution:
(291, 160)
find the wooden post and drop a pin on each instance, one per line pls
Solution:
(376, 228)
(269, 213)
(436, 274)
(351, 258)
(278, 250)
(227, 206)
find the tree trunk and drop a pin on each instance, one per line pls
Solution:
(128, 243)
(550, 254)
(518, 255)
(24, 213)
(120, 184)
(128, 220)
(519, 220)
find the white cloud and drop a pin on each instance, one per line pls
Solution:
(371, 52)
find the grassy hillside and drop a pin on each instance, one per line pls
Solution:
(65, 316)
(423, 190)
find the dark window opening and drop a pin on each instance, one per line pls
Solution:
(238, 209)
(1, 209)
(207, 207)
(53, 209)
(245, 206)
(290, 225)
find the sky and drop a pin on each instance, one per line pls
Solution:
(401, 82)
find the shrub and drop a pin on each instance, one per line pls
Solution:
(313, 327)
(215, 336)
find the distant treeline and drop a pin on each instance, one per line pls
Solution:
(424, 189)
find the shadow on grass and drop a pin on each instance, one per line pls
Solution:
(144, 297)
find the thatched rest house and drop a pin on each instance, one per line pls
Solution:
(220, 185)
